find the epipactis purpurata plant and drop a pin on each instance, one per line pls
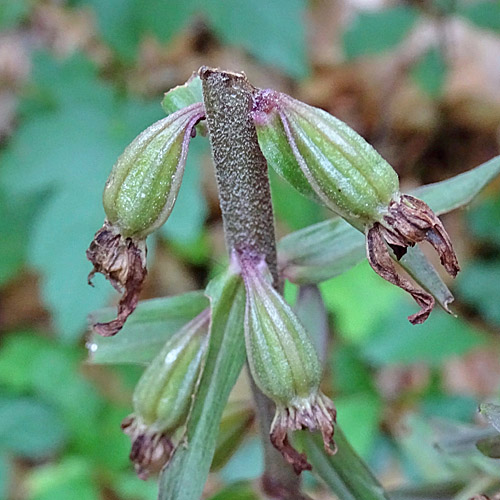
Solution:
(323, 159)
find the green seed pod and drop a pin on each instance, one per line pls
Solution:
(142, 188)
(163, 396)
(328, 161)
(138, 198)
(284, 365)
(317, 152)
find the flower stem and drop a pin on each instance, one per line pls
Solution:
(247, 214)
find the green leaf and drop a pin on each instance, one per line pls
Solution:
(485, 14)
(350, 373)
(456, 438)
(5, 475)
(433, 491)
(17, 355)
(71, 478)
(491, 412)
(12, 13)
(290, 206)
(130, 487)
(439, 338)
(478, 285)
(30, 428)
(29, 363)
(247, 463)
(73, 130)
(236, 422)
(146, 331)
(430, 72)
(489, 447)
(225, 358)
(460, 190)
(453, 407)
(423, 272)
(311, 311)
(483, 220)
(321, 251)
(185, 224)
(378, 31)
(18, 214)
(273, 32)
(345, 294)
(239, 491)
(359, 416)
(345, 473)
(124, 23)
(183, 95)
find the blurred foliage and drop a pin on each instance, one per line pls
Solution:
(378, 31)
(79, 79)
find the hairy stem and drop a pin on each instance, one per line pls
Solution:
(247, 214)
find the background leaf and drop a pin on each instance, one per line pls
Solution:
(243, 23)
(147, 330)
(12, 13)
(72, 478)
(185, 224)
(430, 72)
(50, 153)
(378, 31)
(485, 14)
(124, 23)
(30, 428)
(440, 337)
(478, 285)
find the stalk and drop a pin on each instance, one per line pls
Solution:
(247, 214)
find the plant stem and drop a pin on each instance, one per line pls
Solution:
(247, 214)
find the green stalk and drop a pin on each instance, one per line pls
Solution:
(345, 473)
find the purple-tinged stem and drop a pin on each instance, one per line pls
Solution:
(247, 214)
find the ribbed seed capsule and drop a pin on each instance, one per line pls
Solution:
(284, 365)
(163, 396)
(138, 198)
(328, 161)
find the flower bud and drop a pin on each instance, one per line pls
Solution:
(138, 198)
(284, 365)
(163, 396)
(325, 159)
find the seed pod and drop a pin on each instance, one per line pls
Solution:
(163, 396)
(328, 161)
(284, 365)
(138, 198)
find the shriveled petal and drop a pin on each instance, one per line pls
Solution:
(150, 451)
(279, 439)
(410, 221)
(123, 262)
(315, 413)
(382, 264)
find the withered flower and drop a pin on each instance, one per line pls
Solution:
(138, 198)
(284, 365)
(329, 162)
(163, 396)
